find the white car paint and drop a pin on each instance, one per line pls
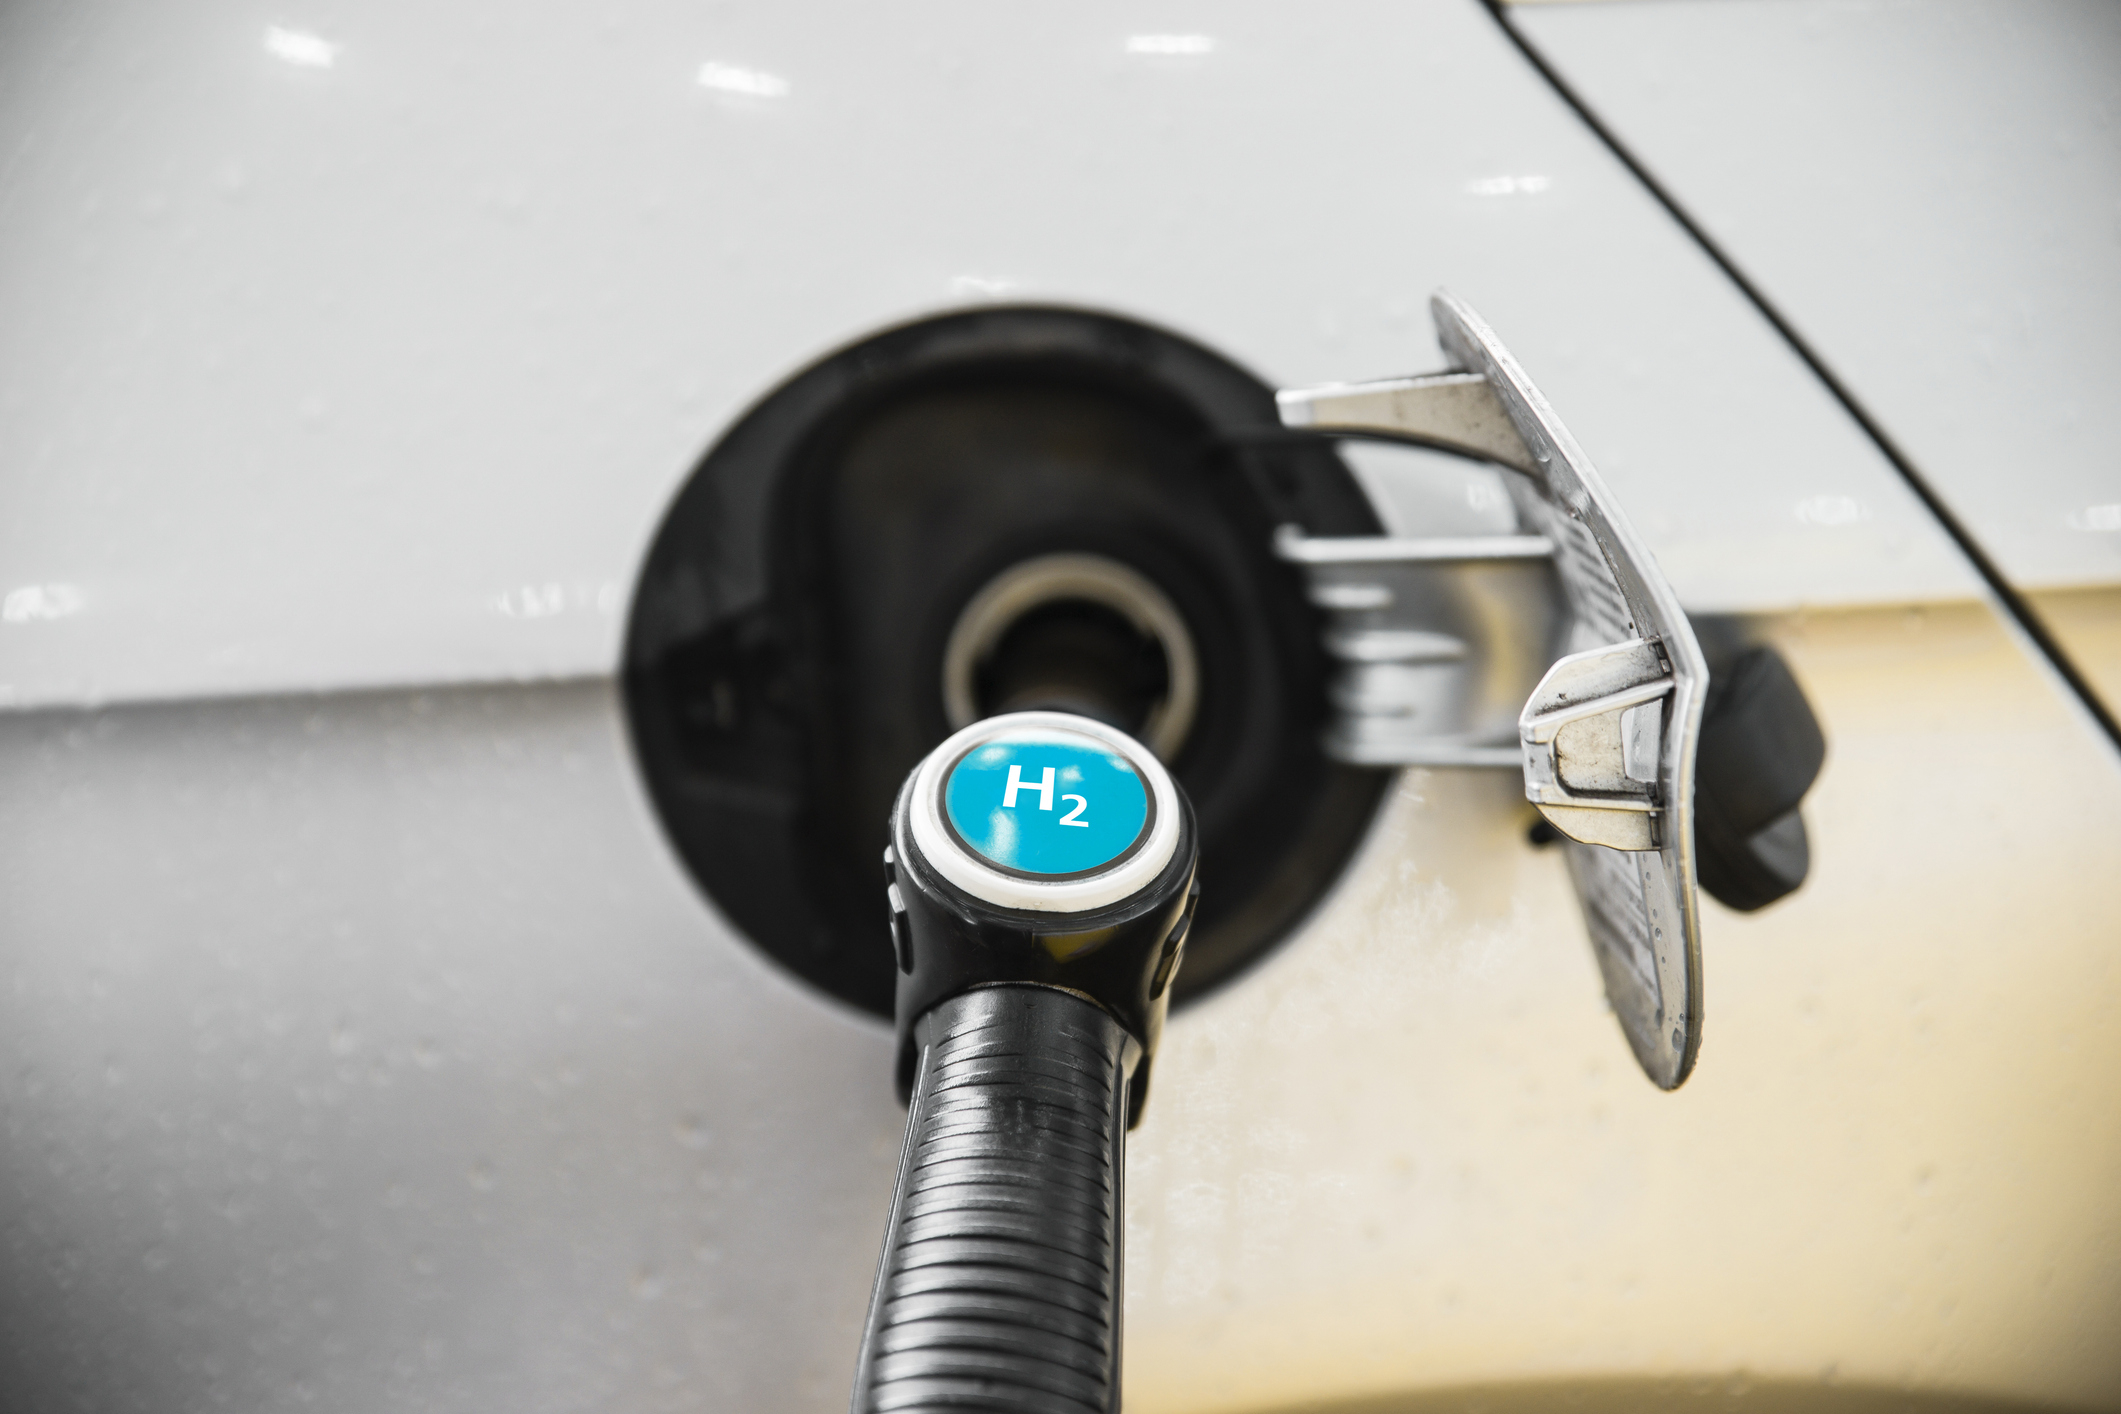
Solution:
(1928, 192)
(371, 356)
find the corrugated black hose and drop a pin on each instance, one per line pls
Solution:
(999, 1283)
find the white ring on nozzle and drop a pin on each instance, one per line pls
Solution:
(966, 870)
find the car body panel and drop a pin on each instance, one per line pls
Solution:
(372, 1051)
(1847, 1185)
(1927, 192)
(381, 371)
(2088, 622)
(380, 1038)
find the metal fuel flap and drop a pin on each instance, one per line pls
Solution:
(1567, 624)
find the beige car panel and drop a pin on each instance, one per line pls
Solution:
(1404, 1154)
(2088, 622)
(379, 1038)
(1725, 1394)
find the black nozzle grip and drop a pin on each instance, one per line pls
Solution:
(998, 1288)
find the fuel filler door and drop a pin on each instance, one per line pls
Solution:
(1565, 630)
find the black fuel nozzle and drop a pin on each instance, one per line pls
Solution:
(1042, 882)
(1041, 849)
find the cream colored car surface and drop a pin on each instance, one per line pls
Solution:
(1895, 1165)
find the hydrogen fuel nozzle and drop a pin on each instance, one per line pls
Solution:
(1041, 882)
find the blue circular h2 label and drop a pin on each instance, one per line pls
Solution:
(1047, 802)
